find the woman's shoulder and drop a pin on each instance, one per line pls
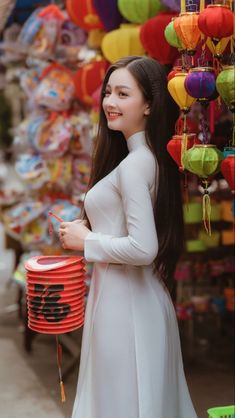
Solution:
(140, 162)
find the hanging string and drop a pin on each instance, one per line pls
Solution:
(184, 142)
(206, 209)
(59, 363)
(182, 6)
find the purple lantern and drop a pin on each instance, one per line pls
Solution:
(108, 13)
(200, 83)
(190, 5)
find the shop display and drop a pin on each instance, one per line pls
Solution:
(60, 55)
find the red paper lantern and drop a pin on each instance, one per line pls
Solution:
(174, 147)
(216, 21)
(153, 38)
(228, 170)
(173, 72)
(88, 78)
(83, 13)
(55, 293)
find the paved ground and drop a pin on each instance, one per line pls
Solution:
(29, 381)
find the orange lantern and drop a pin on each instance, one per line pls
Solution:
(88, 78)
(186, 27)
(83, 13)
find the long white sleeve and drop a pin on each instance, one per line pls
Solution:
(136, 177)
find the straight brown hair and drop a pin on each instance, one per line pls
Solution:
(110, 149)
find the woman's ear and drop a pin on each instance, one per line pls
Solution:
(147, 110)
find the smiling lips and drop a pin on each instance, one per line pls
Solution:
(113, 115)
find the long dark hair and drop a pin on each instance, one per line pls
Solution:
(111, 147)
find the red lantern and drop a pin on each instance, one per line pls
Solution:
(153, 38)
(175, 147)
(173, 72)
(216, 21)
(228, 170)
(83, 14)
(88, 78)
(55, 293)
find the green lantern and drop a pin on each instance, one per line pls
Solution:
(138, 11)
(171, 36)
(225, 84)
(204, 160)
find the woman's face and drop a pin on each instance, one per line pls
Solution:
(124, 105)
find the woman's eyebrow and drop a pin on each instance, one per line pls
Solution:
(121, 86)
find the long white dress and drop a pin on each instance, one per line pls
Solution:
(131, 364)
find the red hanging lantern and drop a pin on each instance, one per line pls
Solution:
(88, 78)
(83, 14)
(228, 171)
(153, 38)
(216, 21)
(175, 147)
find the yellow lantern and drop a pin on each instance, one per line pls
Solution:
(179, 93)
(122, 42)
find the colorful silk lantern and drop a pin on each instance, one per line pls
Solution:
(225, 84)
(173, 72)
(204, 161)
(216, 21)
(176, 87)
(122, 42)
(171, 37)
(186, 27)
(108, 13)
(88, 78)
(139, 11)
(228, 171)
(178, 144)
(83, 13)
(95, 37)
(200, 83)
(153, 38)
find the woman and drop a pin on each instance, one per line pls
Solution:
(131, 365)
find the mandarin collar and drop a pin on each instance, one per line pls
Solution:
(136, 140)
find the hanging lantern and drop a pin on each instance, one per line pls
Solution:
(171, 36)
(186, 27)
(109, 14)
(200, 82)
(122, 42)
(178, 144)
(139, 11)
(83, 13)
(153, 38)
(225, 84)
(176, 87)
(88, 78)
(216, 21)
(173, 72)
(95, 37)
(204, 161)
(228, 171)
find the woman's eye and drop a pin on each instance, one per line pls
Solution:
(121, 94)
(106, 93)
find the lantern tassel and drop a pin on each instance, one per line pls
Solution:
(59, 362)
(206, 211)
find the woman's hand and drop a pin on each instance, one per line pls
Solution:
(72, 234)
